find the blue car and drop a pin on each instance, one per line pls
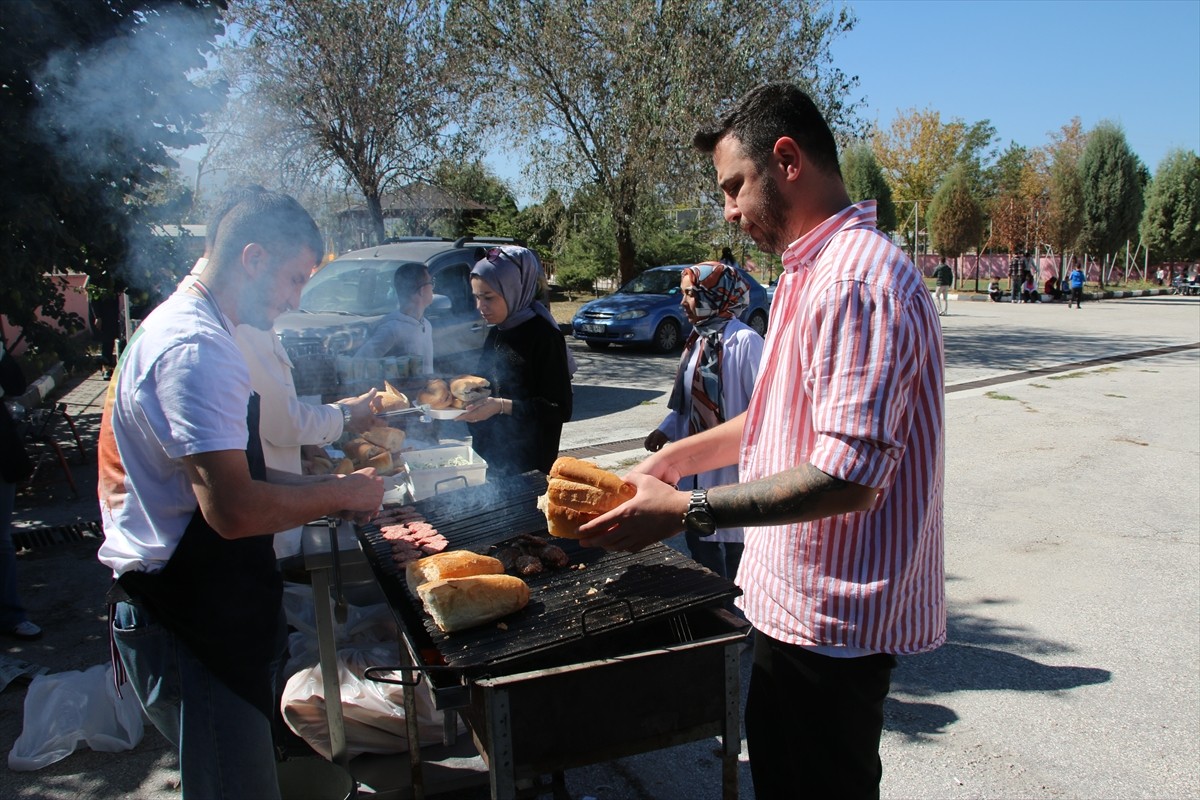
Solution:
(646, 311)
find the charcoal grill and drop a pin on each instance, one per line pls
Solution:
(591, 669)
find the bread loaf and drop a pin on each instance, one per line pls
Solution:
(459, 603)
(390, 439)
(361, 451)
(467, 389)
(578, 492)
(436, 394)
(451, 564)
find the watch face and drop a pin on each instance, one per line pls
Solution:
(700, 521)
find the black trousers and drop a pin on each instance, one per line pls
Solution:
(813, 722)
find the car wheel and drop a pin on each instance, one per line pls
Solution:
(598, 345)
(666, 336)
(758, 321)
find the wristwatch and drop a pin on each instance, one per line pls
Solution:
(699, 517)
(346, 415)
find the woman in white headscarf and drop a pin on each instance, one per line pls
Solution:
(525, 358)
(715, 378)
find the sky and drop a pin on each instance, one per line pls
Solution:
(1029, 67)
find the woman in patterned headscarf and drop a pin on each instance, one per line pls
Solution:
(715, 378)
(525, 357)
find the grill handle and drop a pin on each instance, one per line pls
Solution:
(372, 673)
(583, 618)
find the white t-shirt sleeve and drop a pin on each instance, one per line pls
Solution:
(195, 399)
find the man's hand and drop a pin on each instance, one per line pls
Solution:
(363, 493)
(653, 514)
(362, 416)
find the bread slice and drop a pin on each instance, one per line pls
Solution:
(451, 564)
(390, 439)
(459, 603)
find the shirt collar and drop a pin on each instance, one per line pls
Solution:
(802, 252)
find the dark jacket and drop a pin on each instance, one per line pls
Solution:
(528, 365)
(15, 465)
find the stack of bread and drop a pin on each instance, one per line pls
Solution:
(440, 394)
(378, 447)
(578, 492)
(461, 589)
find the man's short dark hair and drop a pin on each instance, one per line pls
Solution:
(228, 200)
(272, 219)
(408, 278)
(767, 113)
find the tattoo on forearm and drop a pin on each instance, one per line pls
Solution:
(789, 496)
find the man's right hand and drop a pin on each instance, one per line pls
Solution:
(362, 416)
(362, 494)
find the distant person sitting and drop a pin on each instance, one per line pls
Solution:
(406, 331)
(1051, 289)
(994, 291)
(1029, 291)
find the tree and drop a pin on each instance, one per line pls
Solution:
(864, 181)
(1112, 191)
(1170, 225)
(955, 216)
(367, 88)
(95, 95)
(919, 150)
(610, 93)
(1019, 205)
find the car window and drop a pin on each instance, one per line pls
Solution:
(364, 288)
(653, 282)
(454, 282)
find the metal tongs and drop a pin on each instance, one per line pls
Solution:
(339, 606)
(421, 408)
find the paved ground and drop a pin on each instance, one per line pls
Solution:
(1073, 571)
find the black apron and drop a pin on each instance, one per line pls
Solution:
(222, 597)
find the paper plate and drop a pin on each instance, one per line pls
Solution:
(446, 413)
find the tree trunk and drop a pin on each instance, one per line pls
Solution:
(375, 206)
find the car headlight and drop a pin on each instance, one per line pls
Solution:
(633, 313)
(343, 342)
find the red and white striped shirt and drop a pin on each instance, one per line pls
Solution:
(852, 382)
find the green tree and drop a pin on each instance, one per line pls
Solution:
(919, 150)
(955, 216)
(864, 181)
(1112, 191)
(366, 89)
(1170, 225)
(610, 93)
(95, 95)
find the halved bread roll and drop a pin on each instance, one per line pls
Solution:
(436, 394)
(459, 603)
(390, 439)
(578, 492)
(451, 564)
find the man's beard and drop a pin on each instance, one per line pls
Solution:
(772, 215)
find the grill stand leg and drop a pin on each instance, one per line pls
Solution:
(499, 732)
(732, 733)
(331, 685)
(413, 729)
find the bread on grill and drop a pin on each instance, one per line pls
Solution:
(451, 564)
(459, 603)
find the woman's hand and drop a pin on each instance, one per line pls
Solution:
(656, 441)
(486, 408)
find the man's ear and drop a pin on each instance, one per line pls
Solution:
(255, 259)
(789, 158)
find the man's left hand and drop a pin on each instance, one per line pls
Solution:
(653, 514)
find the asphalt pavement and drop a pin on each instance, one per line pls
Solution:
(1072, 567)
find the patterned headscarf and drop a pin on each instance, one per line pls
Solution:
(721, 295)
(515, 273)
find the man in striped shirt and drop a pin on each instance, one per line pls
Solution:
(841, 459)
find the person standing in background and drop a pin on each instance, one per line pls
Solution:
(406, 331)
(15, 467)
(840, 456)
(525, 358)
(1076, 280)
(713, 383)
(944, 276)
(104, 311)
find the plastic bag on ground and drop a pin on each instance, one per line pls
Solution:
(63, 709)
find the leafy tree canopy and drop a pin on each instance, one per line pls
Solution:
(1170, 225)
(955, 216)
(865, 181)
(95, 93)
(1111, 179)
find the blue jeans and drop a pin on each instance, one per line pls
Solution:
(12, 613)
(225, 745)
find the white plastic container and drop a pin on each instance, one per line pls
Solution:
(444, 468)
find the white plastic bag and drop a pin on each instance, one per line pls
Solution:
(65, 708)
(373, 712)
